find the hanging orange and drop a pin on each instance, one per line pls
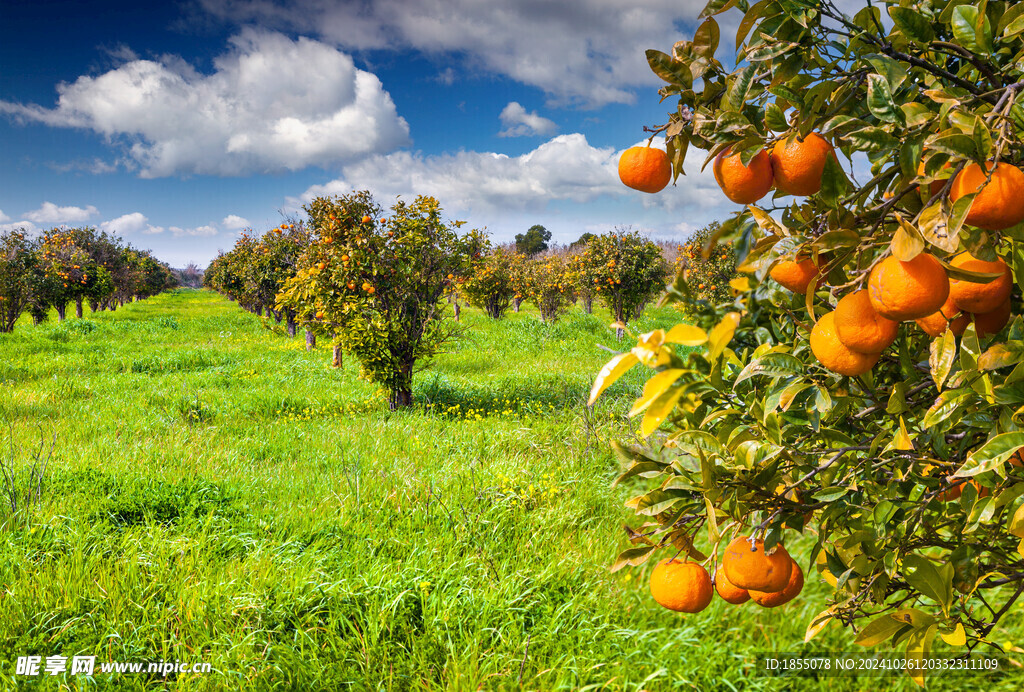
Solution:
(645, 168)
(1000, 202)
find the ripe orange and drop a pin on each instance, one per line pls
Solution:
(319, 315)
(798, 166)
(645, 168)
(796, 276)
(752, 569)
(322, 266)
(729, 592)
(949, 315)
(833, 354)
(770, 599)
(908, 290)
(743, 184)
(860, 328)
(991, 322)
(976, 297)
(365, 219)
(684, 587)
(1000, 204)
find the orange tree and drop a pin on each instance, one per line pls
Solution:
(17, 263)
(710, 276)
(550, 286)
(816, 395)
(377, 282)
(625, 270)
(489, 285)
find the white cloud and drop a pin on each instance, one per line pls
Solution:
(233, 222)
(132, 223)
(588, 51)
(208, 230)
(26, 226)
(519, 123)
(50, 213)
(271, 104)
(485, 184)
(3, 216)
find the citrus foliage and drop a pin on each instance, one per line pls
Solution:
(78, 265)
(709, 276)
(625, 270)
(549, 284)
(377, 281)
(490, 284)
(765, 439)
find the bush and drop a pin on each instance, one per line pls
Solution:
(709, 278)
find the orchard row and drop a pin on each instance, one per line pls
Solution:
(73, 265)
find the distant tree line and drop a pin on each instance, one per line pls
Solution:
(73, 266)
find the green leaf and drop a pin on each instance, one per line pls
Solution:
(659, 409)
(947, 403)
(716, 7)
(934, 226)
(705, 40)
(633, 557)
(655, 387)
(992, 454)
(740, 86)
(834, 183)
(907, 242)
(941, 357)
(671, 70)
(962, 146)
(1012, 22)
(775, 119)
(767, 51)
(918, 647)
(772, 365)
(878, 630)
(1001, 356)
(871, 139)
(749, 19)
(820, 621)
(698, 442)
(657, 501)
(924, 576)
(880, 101)
(913, 24)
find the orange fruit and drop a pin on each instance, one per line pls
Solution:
(949, 315)
(860, 328)
(999, 204)
(771, 599)
(729, 592)
(991, 322)
(365, 219)
(908, 290)
(645, 168)
(750, 568)
(743, 184)
(976, 297)
(684, 587)
(799, 165)
(833, 354)
(796, 276)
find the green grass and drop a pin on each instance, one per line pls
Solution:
(217, 494)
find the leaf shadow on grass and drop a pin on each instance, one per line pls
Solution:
(540, 393)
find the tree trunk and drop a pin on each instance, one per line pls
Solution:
(400, 398)
(277, 314)
(61, 311)
(78, 307)
(336, 356)
(516, 302)
(310, 340)
(458, 308)
(94, 305)
(290, 321)
(588, 305)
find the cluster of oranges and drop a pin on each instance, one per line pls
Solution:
(746, 573)
(850, 339)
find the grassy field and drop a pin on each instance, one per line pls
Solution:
(217, 494)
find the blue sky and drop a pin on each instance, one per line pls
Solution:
(177, 125)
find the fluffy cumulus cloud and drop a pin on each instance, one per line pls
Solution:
(565, 169)
(519, 123)
(131, 224)
(589, 52)
(50, 213)
(3, 216)
(233, 222)
(270, 104)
